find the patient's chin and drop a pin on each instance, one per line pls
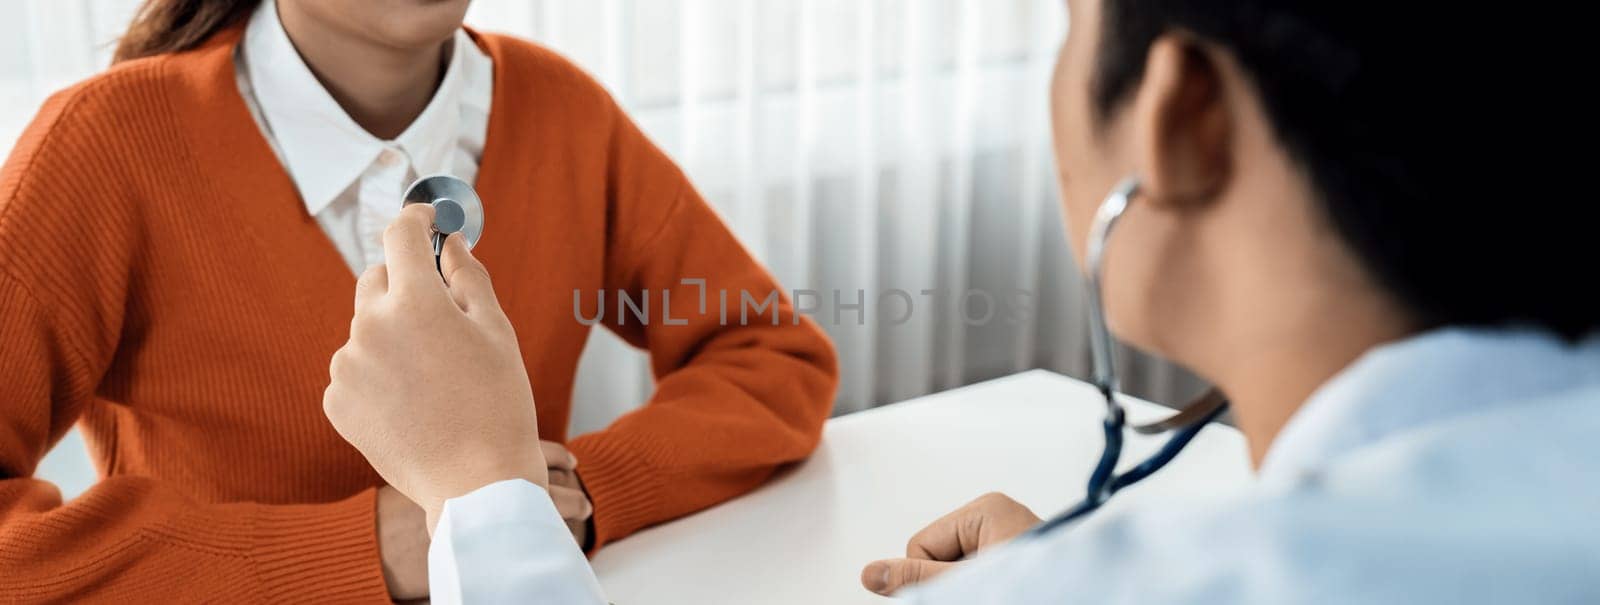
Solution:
(425, 24)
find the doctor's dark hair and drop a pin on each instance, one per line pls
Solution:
(1389, 114)
(165, 26)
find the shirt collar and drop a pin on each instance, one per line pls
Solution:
(323, 149)
(1426, 379)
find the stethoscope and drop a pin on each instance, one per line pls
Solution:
(456, 208)
(1105, 481)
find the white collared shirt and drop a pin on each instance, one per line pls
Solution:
(350, 180)
(1458, 466)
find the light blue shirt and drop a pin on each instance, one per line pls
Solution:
(1454, 467)
(1459, 466)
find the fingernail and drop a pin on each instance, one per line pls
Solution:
(876, 577)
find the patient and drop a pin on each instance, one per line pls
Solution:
(1413, 360)
(183, 236)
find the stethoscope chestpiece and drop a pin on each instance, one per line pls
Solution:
(456, 206)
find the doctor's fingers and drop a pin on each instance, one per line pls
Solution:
(886, 576)
(989, 519)
(468, 280)
(408, 251)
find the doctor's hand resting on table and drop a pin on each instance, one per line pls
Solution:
(991, 520)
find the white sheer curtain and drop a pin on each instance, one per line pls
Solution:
(870, 145)
(857, 147)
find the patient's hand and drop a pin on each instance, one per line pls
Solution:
(567, 491)
(402, 545)
(431, 387)
(991, 519)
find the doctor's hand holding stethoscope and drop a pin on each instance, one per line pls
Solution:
(417, 340)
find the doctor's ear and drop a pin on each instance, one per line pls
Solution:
(1182, 124)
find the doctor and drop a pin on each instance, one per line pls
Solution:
(1417, 377)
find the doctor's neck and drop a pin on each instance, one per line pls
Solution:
(1270, 381)
(1298, 322)
(383, 87)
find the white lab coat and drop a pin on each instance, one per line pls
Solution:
(1459, 466)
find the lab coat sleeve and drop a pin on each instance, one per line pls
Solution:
(505, 543)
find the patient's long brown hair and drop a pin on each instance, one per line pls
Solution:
(165, 26)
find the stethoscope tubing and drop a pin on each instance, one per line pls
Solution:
(1104, 481)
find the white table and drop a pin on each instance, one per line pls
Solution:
(882, 474)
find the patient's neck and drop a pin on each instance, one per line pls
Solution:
(383, 88)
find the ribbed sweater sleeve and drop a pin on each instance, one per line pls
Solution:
(69, 238)
(737, 394)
